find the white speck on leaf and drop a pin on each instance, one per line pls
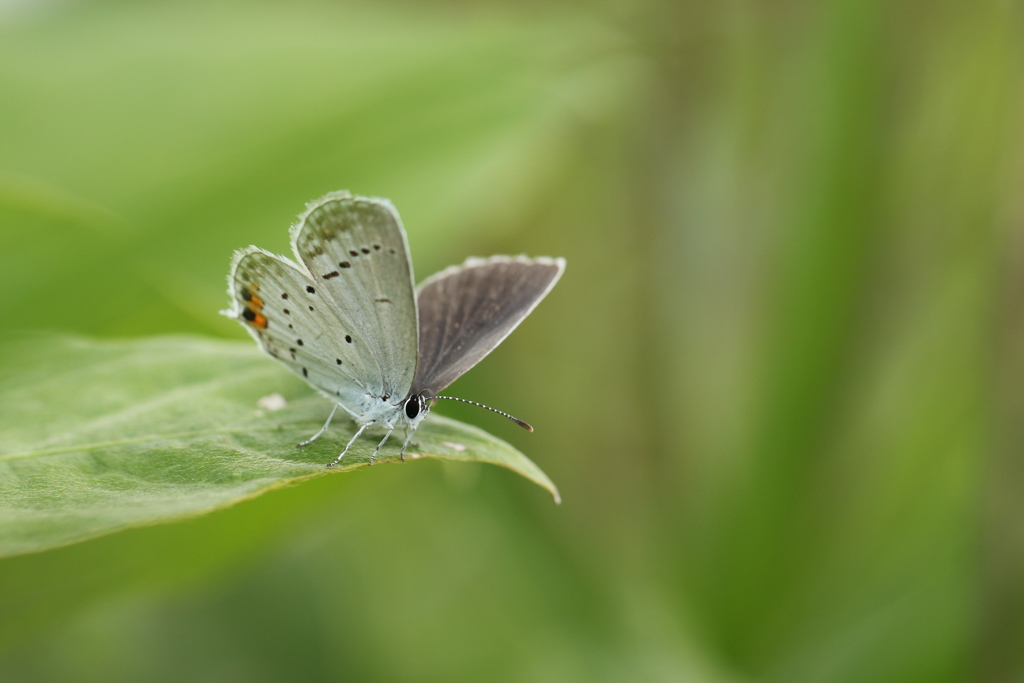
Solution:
(458, 447)
(272, 402)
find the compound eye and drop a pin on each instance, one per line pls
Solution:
(412, 407)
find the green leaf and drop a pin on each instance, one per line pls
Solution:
(97, 436)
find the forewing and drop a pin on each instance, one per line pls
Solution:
(466, 311)
(356, 251)
(294, 322)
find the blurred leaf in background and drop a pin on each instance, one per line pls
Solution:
(779, 387)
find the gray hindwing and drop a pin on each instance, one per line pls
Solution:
(466, 311)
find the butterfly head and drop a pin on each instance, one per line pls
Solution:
(416, 408)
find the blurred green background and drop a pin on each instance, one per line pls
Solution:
(781, 386)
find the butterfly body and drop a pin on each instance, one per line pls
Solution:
(347, 318)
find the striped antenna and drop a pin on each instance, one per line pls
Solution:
(525, 425)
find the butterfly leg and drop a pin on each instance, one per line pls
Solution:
(349, 444)
(408, 438)
(391, 428)
(322, 429)
(405, 443)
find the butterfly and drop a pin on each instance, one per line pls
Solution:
(347, 317)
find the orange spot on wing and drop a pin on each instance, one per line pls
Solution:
(260, 321)
(255, 303)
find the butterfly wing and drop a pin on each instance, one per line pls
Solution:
(295, 322)
(466, 311)
(355, 250)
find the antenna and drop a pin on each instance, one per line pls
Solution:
(521, 423)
